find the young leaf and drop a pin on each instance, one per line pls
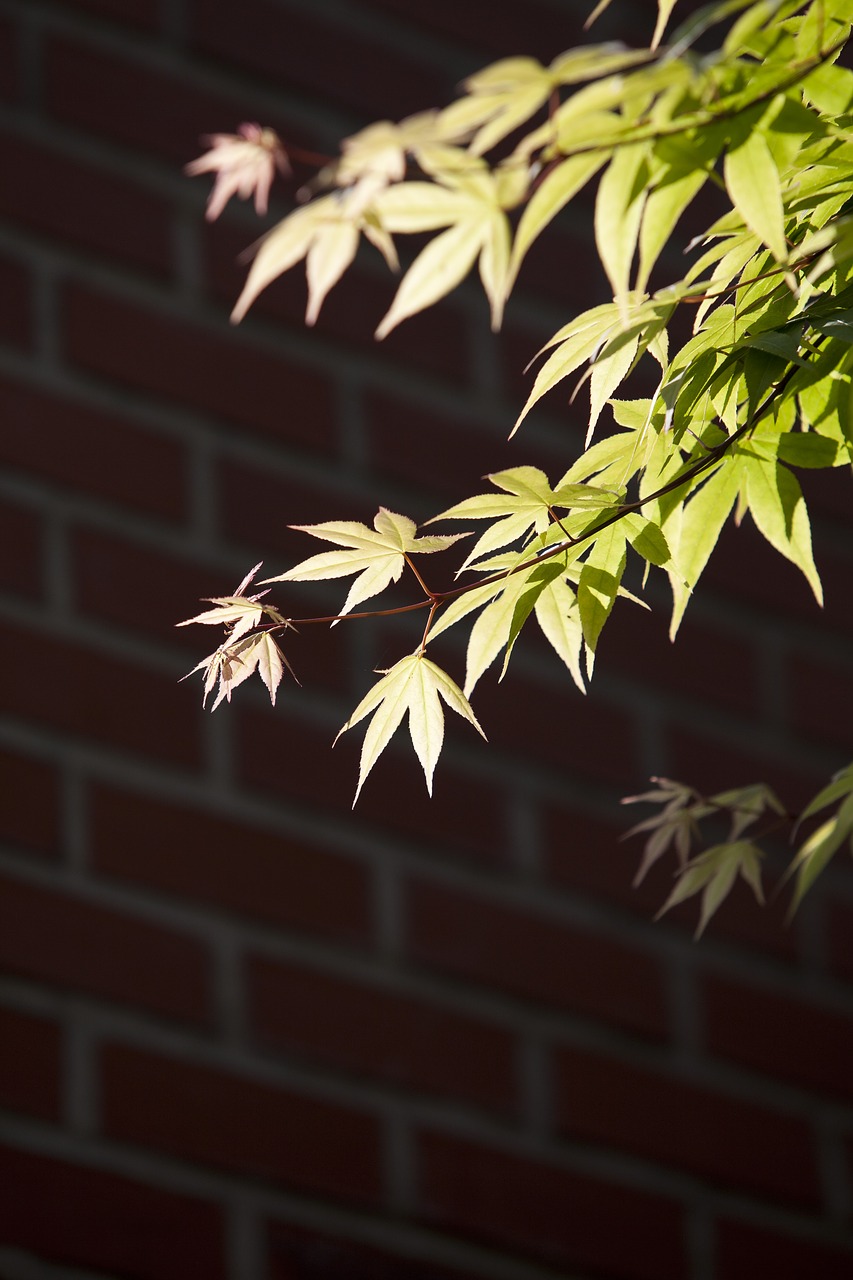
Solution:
(841, 785)
(663, 208)
(525, 503)
(713, 873)
(618, 213)
(417, 686)
(377, 555)
(238, 614)
(704, 516)
(236, 661)
(558, 615)
(575, 344)
(816, 852)
(752, 181)
(778, 509)
(332, 251)
(271, 663)
(493, 629)
(599, 583)
(438, 268)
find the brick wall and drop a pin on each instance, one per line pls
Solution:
(246, 1034)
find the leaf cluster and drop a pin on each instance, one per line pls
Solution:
(712, 869)
(760, 389)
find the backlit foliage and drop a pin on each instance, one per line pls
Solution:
(760, 390)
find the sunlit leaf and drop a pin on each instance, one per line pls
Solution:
(438, 268)
(619, 205)
(752, 181)
(376, 555)
(415, 686)
(558, 615)
(777, 506)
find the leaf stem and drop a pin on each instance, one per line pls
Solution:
(416, 572)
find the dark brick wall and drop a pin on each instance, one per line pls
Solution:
(246, 1034)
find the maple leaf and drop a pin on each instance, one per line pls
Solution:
(377, 555)
(376, 156)
(417, 686)
(470, 201)
(245, 649)
(527, 501)
(239, 613)
(244, 163)
(325, 233)
(236, 661)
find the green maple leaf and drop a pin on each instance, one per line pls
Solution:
(417, 686)
(377, 555)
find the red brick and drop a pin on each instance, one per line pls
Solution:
(144, 590)
(821, 700)
(557, 726)
(434, 342)
(364, 1029)
(147, 110)
(297, 1253)
(98, 210)
(781, 1036)
(562, 266)
(16, 317)
(394, 797)
(534, 957)
(256, 508)
(10, 87)
(29, 804)
(213, 373)
(717, 1137)
(20, 550)
(50, 936)
(586, 854)
(551, 1214)
(710, 762)
(743, 565)
(247, 870)
(79, 447)
(539, 31)
(744, 1251)
(97, 1218)
(82, 692)
(517, 347)
(827, 492)
(460, 452)
(839, 934)
(31, 1066)
(834, 565)
(136, 13)
(300, 50)
(204, 1115)
(706, 662)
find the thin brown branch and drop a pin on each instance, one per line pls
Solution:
(435, 599)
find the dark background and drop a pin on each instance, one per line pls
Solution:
(247, 1033)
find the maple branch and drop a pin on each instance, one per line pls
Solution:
(435, 599)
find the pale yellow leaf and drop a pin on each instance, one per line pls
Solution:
(438, 268)
(752, 181)
(281, 249)
(331, 252)
(494, 265)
